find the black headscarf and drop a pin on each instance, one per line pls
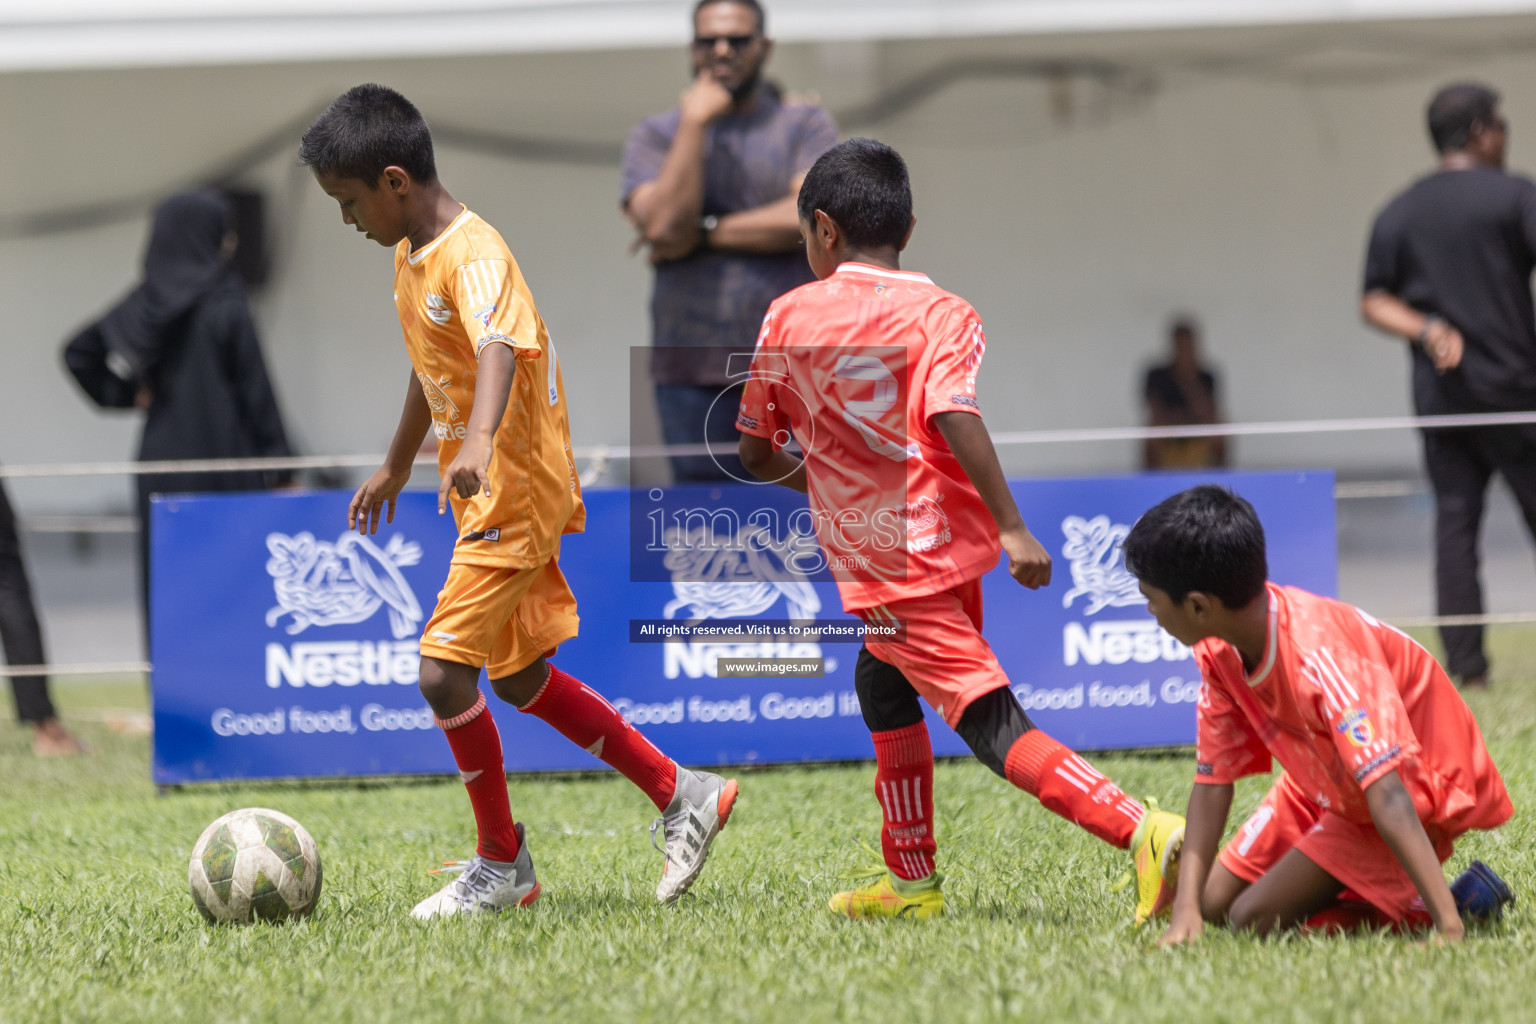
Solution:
(183, 262)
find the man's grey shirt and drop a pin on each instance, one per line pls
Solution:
(716, 300)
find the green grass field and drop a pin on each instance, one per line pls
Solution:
(96, 924)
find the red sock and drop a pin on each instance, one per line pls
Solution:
(476, 749)
(904, 784)
(582, 716)
(1068, 785)
(1346, 917)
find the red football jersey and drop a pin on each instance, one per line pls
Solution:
(1339, 700)
(855, 367)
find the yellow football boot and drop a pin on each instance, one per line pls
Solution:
(889, 896)
(1156, 846)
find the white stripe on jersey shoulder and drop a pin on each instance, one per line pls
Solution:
(898, 275)
(421, 254)
(1272, 643)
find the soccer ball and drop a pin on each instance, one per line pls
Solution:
(254, 863)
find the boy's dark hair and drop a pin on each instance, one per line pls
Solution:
(751, 5)
(1206, 539)
(862, 185)
(368, 128)
(1456, 110)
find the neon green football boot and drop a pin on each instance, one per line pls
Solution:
(1156, 846)
(888, 896)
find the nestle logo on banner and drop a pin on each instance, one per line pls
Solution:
(1097, 564)
(318, 583)
(734, 577)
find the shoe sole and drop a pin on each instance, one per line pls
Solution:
(724, 805)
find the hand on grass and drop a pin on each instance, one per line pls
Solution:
(378, 492)
(1028, 561)
(1182, 930)
(1453, 933)
(468, 474)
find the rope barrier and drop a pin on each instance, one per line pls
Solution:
(103, 668)
(609, 452)
(111, 668)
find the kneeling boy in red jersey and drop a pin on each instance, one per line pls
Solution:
(1384, 764)
(874, 370)
(486, 380)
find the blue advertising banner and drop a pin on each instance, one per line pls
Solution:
(285, 646)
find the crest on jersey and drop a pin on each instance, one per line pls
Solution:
(318, 583)
(736, 581)
(438, 310)
(1356, 726)
(1097, 564)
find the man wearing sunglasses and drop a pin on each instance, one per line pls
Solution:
(1449, 270)
(710, 188)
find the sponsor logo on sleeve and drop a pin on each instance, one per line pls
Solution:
(492, 535)
(964, 400)
(1204, 768)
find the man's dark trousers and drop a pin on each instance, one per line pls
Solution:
(1461, 463)
(19, 630)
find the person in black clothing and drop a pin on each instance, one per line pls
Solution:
(182, 347)
(1181, 392)
(1449, 269)
(22, 639)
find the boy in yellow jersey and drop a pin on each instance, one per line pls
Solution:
(487, 382)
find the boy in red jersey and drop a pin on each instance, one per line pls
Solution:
(873, 369)
(485, 379)
(1384, 764)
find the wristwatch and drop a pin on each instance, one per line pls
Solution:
(708, 223)
(1429, 322)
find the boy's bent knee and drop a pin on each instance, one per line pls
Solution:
(991, 726)
(448, 687)
(520, 687)
(886, 698)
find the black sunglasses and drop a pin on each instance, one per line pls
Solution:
(735, 42)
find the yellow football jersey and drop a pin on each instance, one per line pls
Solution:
(455, 295)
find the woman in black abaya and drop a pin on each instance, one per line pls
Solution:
(182, 347)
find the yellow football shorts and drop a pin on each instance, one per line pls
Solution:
(500, 617)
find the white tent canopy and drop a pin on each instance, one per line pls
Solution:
(36, 34)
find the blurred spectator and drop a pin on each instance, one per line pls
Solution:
(1449, 270)
(1182, 393)
(23, 641)
(181, 346)
(711, 186)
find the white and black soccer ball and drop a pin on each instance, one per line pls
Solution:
(254, 864)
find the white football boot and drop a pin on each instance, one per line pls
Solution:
(701, 805)
(484, 886)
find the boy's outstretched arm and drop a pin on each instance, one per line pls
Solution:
(1205, 819)
(776, 466)
(469, 470)
(1398, 822)
(381, 489)
(967, 437)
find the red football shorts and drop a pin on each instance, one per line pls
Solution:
(1356, 855)
(944, 656)
(499, 617)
